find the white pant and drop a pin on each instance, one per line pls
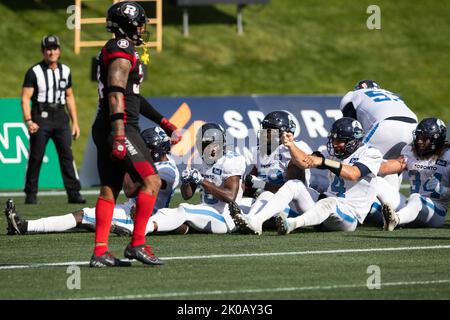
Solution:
(421, 211)
(121, 216)
(389, 137)
(201, 217)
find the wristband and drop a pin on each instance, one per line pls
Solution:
(116, 89)
(334, 166)
(117, 116)
(27, 120)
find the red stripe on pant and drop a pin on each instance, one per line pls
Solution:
(144, 169)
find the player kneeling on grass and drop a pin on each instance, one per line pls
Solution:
(427, 161)
(218, 175)
(122, 223)
(352, 171)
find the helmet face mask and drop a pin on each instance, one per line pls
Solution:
(366, 84)
(127, 19)
(345, 137)
(210, 142)
(429, 136)
(272, 128)
(157, 141)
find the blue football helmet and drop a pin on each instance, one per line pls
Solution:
(157, 141)
(210, 142)
(349, 130)
(367, 84)
(432, 129)
(275, 120)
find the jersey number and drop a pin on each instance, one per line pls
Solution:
(208, 198)
(414, 177)
(338, 187)
(378, 96)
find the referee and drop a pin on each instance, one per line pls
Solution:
(48, 86)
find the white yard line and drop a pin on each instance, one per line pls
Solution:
(240, 255)
(56, 193)
(266, 290)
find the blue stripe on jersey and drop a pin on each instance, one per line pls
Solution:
(205, 212)
(124, 221)
(344, 216)
(431, 205)
(291, 213)
(371, 133)
(376, 206)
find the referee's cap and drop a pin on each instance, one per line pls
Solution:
(50, 41)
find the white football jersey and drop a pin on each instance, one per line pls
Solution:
(357, 195)
(231, 164)
(374, 105)
(273, 168)
(421, 171)
(168, 171)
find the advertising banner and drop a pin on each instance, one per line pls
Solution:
(240, 116)
(14, 142)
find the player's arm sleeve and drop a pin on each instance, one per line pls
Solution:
(148, 111)
(30, 79)
(370, 162)
(234, 166)
(168, 175)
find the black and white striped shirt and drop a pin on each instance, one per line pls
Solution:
(49, 85)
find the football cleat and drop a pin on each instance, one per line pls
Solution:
(242, 221)
(283, 225)
(119, 230)
(107, 260)
(390, 218)
(142, 253)
(16, 225)
(183, 229)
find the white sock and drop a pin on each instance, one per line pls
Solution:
(168, 219)
(292, 189)
(315, 216)
(412, 209)
(52, 224)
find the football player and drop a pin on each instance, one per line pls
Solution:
(352, 167)
(385, 118)
(427, 161)
(273, 164)
(218, 175)
(158, 143)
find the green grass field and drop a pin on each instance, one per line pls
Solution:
(303, 265)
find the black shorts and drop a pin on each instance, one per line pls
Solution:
(138, 162)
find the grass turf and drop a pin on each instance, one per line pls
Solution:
(297, 276)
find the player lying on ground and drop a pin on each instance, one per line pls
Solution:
(386, 120)
(218, 174)
(122, 223)
(427, 162)
(352, 171)
(273, 164)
